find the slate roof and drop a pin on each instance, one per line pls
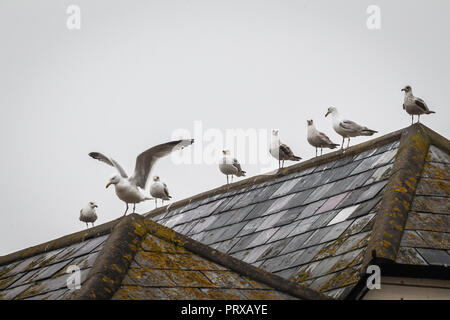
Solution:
(321, 222)
(307, 231)
(133, 258)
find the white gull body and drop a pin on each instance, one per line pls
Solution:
(229, 166)
(88, 214)
(159, 190)
(347, 128)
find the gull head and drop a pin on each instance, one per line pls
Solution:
(92, 204)
(407, 89)
(331, 110)
(226, 152)
(309, 122)
(275, 133)
(156, 178)
(114, 180)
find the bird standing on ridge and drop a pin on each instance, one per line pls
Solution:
(159, 190)
(319, 139)
(127, 188)
(347, 128)
(88, 214)
(414, 105)
(280, 151)
(230, 166)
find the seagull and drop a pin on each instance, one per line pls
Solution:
(127, 188)
(280, 151)
(88, 214)
(347, 128)
(158, 190)
(319, 139)
(230, 166)
(414, 105)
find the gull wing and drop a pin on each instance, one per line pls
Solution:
(421, 104)
(325, 138)
(350, 126)
(146, 160)
(109, 161)
(237, 165)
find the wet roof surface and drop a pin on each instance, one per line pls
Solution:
(311, 226)
(44, 276)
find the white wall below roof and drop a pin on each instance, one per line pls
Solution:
(396, 288)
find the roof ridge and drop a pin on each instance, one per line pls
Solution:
(335, 155)
(60, 242)
(399, 193)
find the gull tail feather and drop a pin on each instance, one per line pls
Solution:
(368, 132)
(295, 158)
(429, 111)
(333, 145)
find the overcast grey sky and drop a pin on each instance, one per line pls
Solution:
(138, 70)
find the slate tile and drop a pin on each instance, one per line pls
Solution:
(297, 242)
(437, 155)
(288, 216)
(308, 254)
(299, 198)
(409, 256)
(323, 219)
(433, 187)
(436, 170)
(303, 225)
(274, 248)
(428, 222)
(431, 204)
(435, 257)
(343, 214)
(263, 236)
(366, 207)
(335, 231)
(285, 188)
(283, 232)
(260, 209)
(311, 209)
(372, 191)
(331, 203)
(380, 174)
(269, 221)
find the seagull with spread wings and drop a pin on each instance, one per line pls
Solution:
(347, 128)
(229, 166)
(280, 151)
(127, 188)
(414, 105)
(318, 139)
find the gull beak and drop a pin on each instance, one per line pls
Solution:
(109, 183)
(328, 112)
(403, 89)
(95, 206)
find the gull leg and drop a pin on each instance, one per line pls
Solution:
(282, 163)
(126, 210)
(316, 151)
(412, 119)
(228, 182)
(348, 143)
(321, 150)
(279, 164)
(418, 119)
(343, 140)
(134, 207)
(92, 224)
(162, 202)
(87, 226)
